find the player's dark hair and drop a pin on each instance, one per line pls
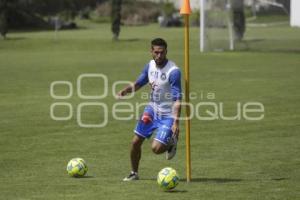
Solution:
(159, 42)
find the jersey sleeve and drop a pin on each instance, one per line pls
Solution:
(143, 78)
(175, 82)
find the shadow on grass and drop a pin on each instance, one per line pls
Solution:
(80, 177)
(204, 180)
(253, 40)
(127, 40)
(213, 180)
(14, 38)
(279, 179)
(176, 191)
(248, 45)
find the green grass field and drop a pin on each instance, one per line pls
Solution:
(230, 159)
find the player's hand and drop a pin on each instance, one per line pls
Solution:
(119, 95)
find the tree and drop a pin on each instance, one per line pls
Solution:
(3, 18)
(116, 18)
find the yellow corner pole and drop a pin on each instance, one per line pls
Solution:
(186, 11)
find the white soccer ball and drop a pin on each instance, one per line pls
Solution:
(167, 178)
(77, 167)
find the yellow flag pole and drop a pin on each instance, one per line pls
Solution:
(186, 11)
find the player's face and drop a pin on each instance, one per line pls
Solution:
(159, 54)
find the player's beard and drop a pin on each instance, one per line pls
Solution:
(159, 62)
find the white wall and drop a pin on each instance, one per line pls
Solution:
(295, 13)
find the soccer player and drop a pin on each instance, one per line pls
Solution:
(163, 111)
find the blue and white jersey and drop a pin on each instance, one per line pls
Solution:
(165, 86)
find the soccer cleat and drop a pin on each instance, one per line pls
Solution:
(171, 152)
(132, 177)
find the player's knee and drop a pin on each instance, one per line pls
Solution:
(155, 150)
(137, 142)
(158, 149)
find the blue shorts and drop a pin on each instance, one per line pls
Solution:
(150, 121)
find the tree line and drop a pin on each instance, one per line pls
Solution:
(24, 14)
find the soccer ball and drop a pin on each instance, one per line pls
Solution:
(167, 178)
(77, 167)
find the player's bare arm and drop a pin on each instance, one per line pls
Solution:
(176, 113)
(129, 89)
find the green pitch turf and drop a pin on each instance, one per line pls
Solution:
(230, 159)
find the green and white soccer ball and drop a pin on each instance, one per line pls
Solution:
(77, 167)
(167, 178)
